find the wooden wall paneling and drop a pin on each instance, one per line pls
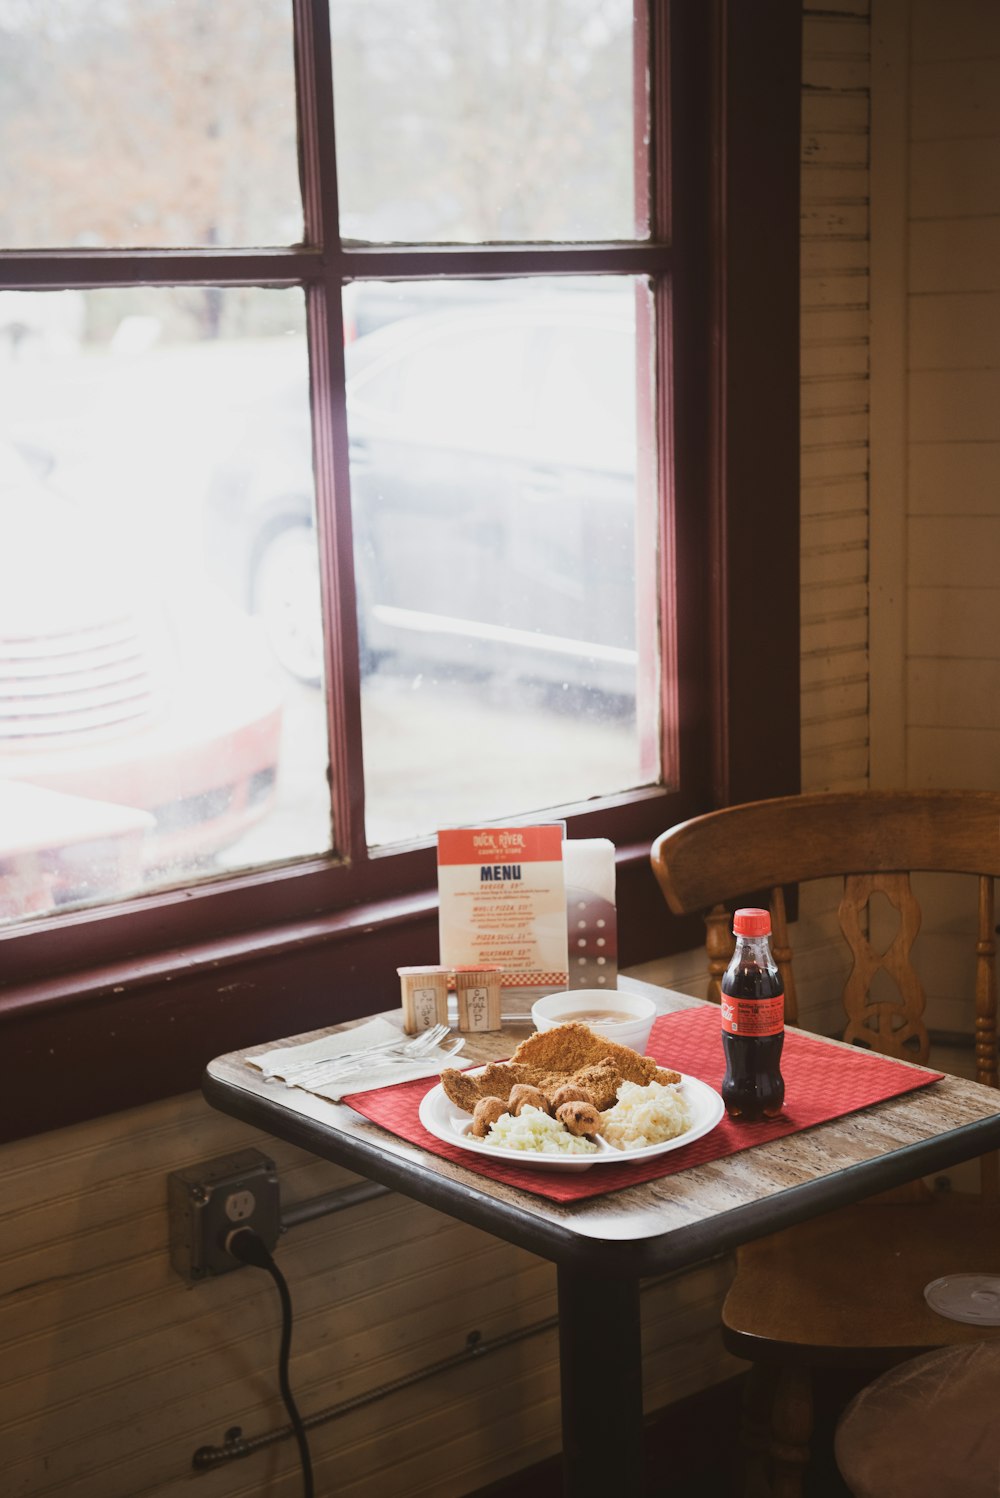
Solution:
(955, 331)
(953, 178)
(853, 624)
(956, 551)
(889, 415)
(835, 358)
(953, 758)
(682, 1330)
(838, 530)
(935, 389)
(830, 394)
(952, 623)
(946, 955)
(834, 403)
(837, 499)
(835, 429)
(955, 254)
(954, 693)
(958, 30)
(833, 113)
(836, 72)
(954, 405)
(947, 470)
(835, 464)
(956, 98)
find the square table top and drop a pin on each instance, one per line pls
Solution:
(658, 1225)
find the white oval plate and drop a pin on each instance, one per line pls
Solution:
(447, 1122)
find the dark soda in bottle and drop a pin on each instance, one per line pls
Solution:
(753, 1022)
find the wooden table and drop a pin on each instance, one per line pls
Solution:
(605, 1245)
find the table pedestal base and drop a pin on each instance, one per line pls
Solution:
(600, 1362)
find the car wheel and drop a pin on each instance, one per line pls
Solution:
(285, 598)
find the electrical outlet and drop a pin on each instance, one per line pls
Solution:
(207, 1201)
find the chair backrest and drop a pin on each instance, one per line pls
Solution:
(874, 840)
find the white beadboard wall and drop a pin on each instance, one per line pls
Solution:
(834, 408)
(953, 386)
(114, 1370)
(935, 475)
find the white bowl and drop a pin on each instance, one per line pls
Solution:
(633, 1015)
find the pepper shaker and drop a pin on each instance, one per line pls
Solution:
(477, 990)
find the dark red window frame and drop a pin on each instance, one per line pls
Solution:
(114, 1008)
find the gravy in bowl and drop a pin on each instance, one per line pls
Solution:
(597, 1017)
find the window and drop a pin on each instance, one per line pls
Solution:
(369, 463)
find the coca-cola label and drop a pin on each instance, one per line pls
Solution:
(753, 1017)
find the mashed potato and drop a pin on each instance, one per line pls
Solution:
(646, 1115)
(535, 1132)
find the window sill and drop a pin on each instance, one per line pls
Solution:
(125, 1034)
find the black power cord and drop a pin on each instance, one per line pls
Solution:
(244, 1244)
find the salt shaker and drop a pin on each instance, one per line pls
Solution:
(425, 997)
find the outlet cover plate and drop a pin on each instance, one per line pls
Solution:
(208, 1200)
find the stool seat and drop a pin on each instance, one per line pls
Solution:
(926, 1429)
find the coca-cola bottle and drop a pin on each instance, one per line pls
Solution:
(753, 1022)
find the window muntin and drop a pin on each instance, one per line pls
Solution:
(126, 122)
(459, 123)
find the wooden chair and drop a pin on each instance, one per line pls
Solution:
(846, 1290)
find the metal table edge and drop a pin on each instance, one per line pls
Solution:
(679, 1248)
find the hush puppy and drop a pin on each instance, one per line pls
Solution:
(524, 1096)
(571, 1093)
(485, 1114)
(579, 1118)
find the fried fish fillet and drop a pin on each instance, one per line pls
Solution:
(567, 1048)
(581, 1059)
(495, 1080)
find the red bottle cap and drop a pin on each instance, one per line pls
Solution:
(752, 922)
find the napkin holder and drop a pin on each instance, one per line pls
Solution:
(591, 913)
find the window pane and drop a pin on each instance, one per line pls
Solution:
(495, 488)
(507, 120)
(143, 714)
(134, 122)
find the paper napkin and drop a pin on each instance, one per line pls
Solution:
(298, 1065)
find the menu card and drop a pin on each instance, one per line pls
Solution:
(503, 902)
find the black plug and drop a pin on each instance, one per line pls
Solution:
(247, 1246)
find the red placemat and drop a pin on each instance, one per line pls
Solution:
(821, 1082)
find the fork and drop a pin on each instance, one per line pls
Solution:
(390, 1052)
(399, 1044)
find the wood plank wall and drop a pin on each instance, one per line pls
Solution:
(935, 452)
(114, 1370)
(835, 313)
(834, 410)
(953, 379)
